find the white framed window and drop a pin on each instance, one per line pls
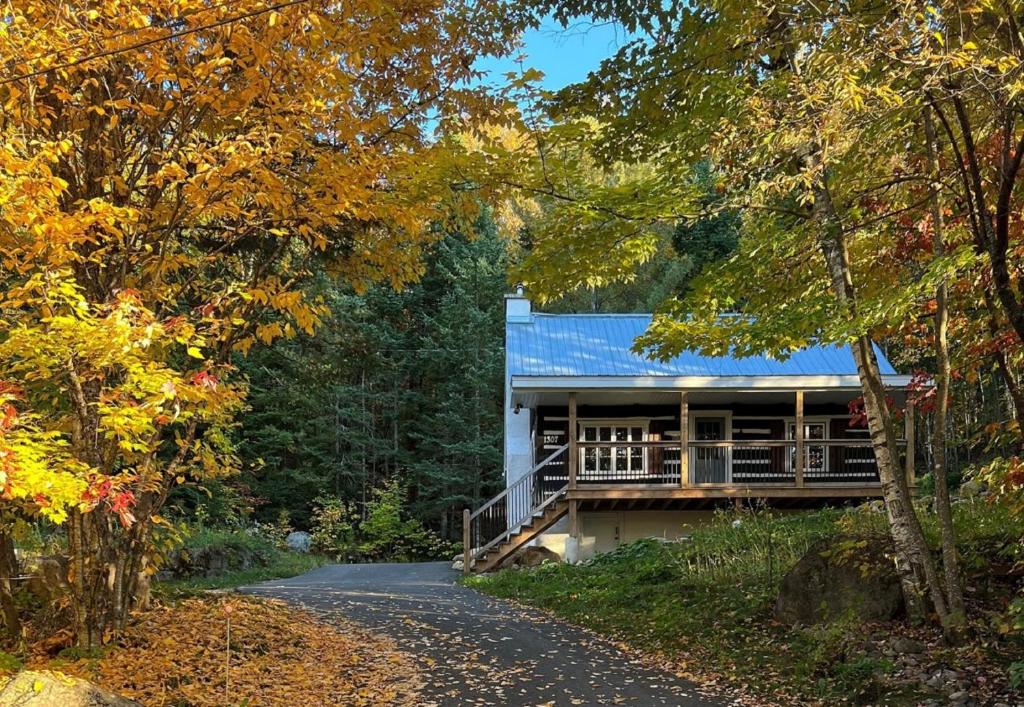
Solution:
(613, 461)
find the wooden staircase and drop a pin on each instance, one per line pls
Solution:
(508, 522)
(538, 523)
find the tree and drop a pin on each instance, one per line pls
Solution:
(169, 168)
(402, 385)
(810, 116)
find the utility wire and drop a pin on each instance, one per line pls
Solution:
(159, 24)
(155, 40)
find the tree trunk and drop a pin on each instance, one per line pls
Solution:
(8, 571)
(913, 559)
(957, 621)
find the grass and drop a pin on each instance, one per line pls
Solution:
(706, 603)
(287, 564)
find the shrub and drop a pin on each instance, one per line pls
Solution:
(384, 534)
(387, 535)
(333, 528)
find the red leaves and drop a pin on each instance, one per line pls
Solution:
(205, 379)
(122, 504)
(206, 310)
(8, 417)
(116, 499)
(859, 415)
(921, 391)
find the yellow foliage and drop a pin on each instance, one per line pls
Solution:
(161, 198)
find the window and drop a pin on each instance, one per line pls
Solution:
(613, 461)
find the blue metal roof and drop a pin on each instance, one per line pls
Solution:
(600, 345)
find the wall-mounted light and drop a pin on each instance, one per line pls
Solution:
(517, 408)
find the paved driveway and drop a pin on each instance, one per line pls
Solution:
(476, 650)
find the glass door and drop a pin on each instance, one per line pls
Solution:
(710, 463)
(814, 454)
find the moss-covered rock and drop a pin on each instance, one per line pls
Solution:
(841, 577)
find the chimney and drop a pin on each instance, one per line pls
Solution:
(517, 306)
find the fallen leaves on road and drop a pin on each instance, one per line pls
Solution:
(277, 656)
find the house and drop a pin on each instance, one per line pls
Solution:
(604, 446)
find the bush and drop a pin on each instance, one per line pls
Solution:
(209, 551)
(384, 534)
(334, 529)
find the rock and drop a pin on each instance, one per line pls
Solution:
(45, 689)
(907, 645)
(838, 577)
(959, 698)
(972, 489)
(532, 556)
(459, 565)
(48, 577)
(298, 541)
(942, 679)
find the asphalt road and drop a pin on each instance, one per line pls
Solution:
(476, 650)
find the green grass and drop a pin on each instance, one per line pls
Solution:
(707, 602)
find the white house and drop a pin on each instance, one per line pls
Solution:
(594, 434)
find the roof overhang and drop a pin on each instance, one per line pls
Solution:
(730, 383)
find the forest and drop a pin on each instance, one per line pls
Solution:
(254, 258)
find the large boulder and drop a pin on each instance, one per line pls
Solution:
(47, 577)
(841, 577)
(298, 541)
(47, 689)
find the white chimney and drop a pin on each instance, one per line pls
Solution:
(517, 306)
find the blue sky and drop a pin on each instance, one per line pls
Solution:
(565, 56)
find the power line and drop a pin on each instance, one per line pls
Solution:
(155, 40)
(160, 24)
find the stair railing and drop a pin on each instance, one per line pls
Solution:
(502, 516)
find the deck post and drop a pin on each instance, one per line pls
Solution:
(908, 422)
(572, 543)
(798, 465)
(684, 440)
(466, 541)
(574, 452)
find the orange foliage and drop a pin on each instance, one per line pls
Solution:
(278, 656)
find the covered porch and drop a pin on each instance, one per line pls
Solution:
(705, 443)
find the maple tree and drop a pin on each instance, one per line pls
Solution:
(169, 170)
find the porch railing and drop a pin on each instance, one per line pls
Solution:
(724, 462)
(502, 516)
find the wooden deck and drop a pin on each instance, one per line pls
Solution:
(661, 498)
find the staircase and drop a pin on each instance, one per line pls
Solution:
(509, 521)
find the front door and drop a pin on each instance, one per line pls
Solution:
(710, 464)
(814, 454)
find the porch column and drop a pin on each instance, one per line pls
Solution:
(684, 440)
(574, 451)
(908, 421)
(798, 466)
